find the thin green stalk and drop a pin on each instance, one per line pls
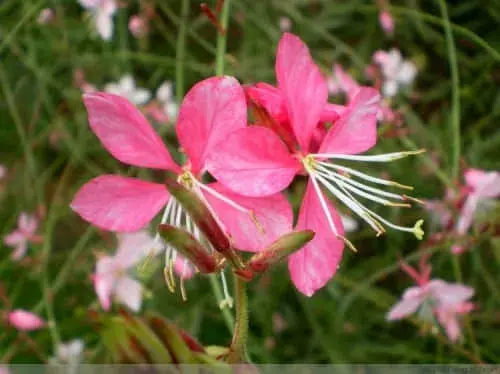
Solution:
(181, 52)
(238, 353)
(455, 94)
(221, 40)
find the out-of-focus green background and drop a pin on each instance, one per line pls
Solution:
(49, 150)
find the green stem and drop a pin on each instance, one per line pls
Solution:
(181, 52)
(455, 111)
(238, 352)
(221, 40)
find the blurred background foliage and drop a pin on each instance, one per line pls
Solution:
(345, 322)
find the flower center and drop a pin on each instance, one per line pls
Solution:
(187, 180)
(310, 163)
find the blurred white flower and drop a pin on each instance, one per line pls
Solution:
(349, 223)
(126, 88)
(102, 12)
(396, 71)
(165, 96)
(46, 16)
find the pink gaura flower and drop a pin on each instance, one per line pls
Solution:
(27, 225)
(481, 187)
(395, 71)
(102, 12)
(138, 26)
(210, 111)
(341, 82)
(46, 16)
(111, 277)
(24, 321)
(257, 161)
(386, 22)
(445, 301)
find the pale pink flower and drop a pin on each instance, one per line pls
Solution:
(27, 225)
(70, 352)
(127, 88)
(396, 71)
(24, 321)
(5, 370)
(111, 277)
(445, 300)
(285, 24)
(46, 16)
(386, 22)
(102, 12)
(138, 26)
(3, 171)
(342, 82)
(263, 160)
(448, 316)
(165, 97)
(482, 187)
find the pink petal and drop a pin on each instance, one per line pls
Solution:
(450, 293)
(270, 98)
(25, 321)
(133, 247)
(274, 215)
(27, 223)
(467, 214)
(356, 130)
(253, 162)
(183, 268)
(125, 132)
(332, 112)
(386, 22)
(315, 264)
(303, 86)
(104, 280)
(403, 309)
(118, 203)
(20, 251)
(484, 184)
(129, 292)
(448, 319)
(211, 110)
(14, 238)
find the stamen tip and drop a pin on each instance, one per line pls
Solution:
(226, 303)
(417, 229)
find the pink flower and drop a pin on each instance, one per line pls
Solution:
(386, 22)
(111, 277)
(445, 300)
(257, 161)
(341, 82)
(25, 321)
(46, 16)
(102, 12)
(285, 24)
(396, 71)
(3, 171)
(210, 111)
(138, 26)
(27, 225)
(482, 186)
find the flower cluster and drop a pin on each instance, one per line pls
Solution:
(295, 132)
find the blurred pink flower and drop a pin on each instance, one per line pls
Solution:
(138, 26)
(481, 186)
(46, 16)
(111, 277)
(396, 71)
(102, 12)
(386, 22)
(342, 82)
(24, 321)
(446, 300)
(3, 171)
(5, 370)
(285, 24)
(27, 225)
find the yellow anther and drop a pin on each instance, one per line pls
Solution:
(166, 275)
(183, 290)
(256, 222)
(310, 163)
(186, 179)
(417, 229)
